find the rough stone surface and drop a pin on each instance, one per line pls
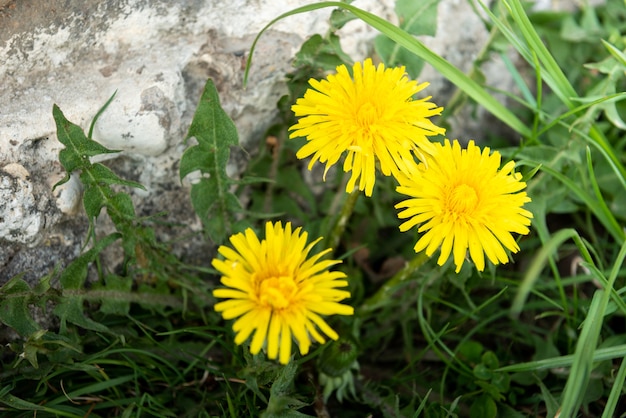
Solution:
(22, 218)
(157, 56)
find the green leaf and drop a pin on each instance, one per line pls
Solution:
(247, 180)
(418, 17)
(338, 18)
(103, 175)
(598, 208)
(470, 351)
(502, 382)
(215, 133)
(482, 372)
(15, 403)
(284, 381)
(601, 354)
(505, 411)
(70, 308)
(94, 388)
(321, 53)
(78, 148)
(615, 52)
(483, 407)
(280, 404)
(97, 180)
(214, 214)
(15, 297)
(572, 32)
(490, 360)
(94, 198)
(98, 194)
(393, 55)
(122, 212)
(30, 354)
(74, 275)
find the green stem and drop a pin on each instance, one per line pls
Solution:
(273, 173)
(342, 220)
(385, 293)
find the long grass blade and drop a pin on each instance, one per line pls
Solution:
(616, 391)
(587, 343)
(601, 354)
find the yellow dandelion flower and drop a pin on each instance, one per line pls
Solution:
(273, 289)
(463, 200)
(372, 116)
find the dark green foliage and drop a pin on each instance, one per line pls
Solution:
(281, 403)
(78, 148)
(321, 53)
(15, 298)
(101, 191)
(70, 307)
(97, 180)
(211, 197)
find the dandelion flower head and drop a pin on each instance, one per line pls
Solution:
(371, 116)
(272, 288)
(461, 199)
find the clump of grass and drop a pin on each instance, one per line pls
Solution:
(429, 336)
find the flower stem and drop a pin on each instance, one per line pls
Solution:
(342, 219)
(386, 292)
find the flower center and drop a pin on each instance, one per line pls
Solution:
(462, 200)
(366, 115)
(277, 292)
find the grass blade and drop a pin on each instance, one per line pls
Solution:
(601, 354)
(616, 391)
(587, 343)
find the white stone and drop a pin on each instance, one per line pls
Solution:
(20, 218)
(151, 117)
(68, 195)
